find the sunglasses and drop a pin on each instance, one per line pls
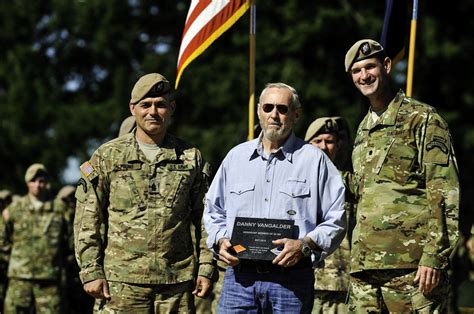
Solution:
(282, 109)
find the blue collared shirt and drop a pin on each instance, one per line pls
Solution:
(296, 182)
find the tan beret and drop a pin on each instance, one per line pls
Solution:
(127, 125)
(4, 194)
(154, 84)
(66, 191)
(321, 126)
(341, 123)
(34, 170)
(361, 50)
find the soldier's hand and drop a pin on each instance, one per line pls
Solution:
(427, 278)
(224, 254)
(291, 253)
(203, 287)
(98, 288)
(6, 214)
(469, 245)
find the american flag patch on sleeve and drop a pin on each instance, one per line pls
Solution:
(86, 169)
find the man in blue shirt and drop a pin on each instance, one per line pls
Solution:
(277, 176)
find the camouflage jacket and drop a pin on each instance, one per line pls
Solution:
(4, 247)
(408, 189)
(334, 275)
(133, 217)
(38, 239)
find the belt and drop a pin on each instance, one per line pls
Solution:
(266, 267)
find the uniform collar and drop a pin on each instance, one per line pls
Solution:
(168, 149)
(389, 117)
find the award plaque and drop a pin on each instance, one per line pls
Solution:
(252, 237)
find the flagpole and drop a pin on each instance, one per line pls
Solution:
(253, 22)
(411, 54)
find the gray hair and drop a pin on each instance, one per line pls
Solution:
(295, 99)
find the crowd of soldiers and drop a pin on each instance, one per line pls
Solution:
(38, 268)
(60, 251)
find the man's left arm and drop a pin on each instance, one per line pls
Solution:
(206, 265)
(331, 228)
(442, 192)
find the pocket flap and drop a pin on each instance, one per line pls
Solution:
(294, 189)
(241, 188)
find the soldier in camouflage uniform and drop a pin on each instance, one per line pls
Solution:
(146, 188)
(76, 300)
(5, 200)
(331, 135)
(408, 195)
(37, 232)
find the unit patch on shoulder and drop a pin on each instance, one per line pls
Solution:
(437, 142)
(82, 183)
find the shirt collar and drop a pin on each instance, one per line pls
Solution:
(286, 150)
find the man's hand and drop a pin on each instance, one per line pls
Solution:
(469, 245)
(98, 288)
(203, 287)
(224, 255)
(6, 215)
(427, 278)
(291, 253)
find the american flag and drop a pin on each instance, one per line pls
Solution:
(206, 21)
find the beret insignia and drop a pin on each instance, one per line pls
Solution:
(365, 49)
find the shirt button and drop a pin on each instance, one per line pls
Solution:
(268, 180)
(266, 199)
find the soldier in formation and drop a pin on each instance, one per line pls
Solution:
(37, 233)
(5, 200)
(331, 135)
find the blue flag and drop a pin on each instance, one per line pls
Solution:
(396, 26)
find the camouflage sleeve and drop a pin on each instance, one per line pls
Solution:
(7, 233)
(88, 221)
(4, 246)
(198, 191)
(442, 189)
(67, 233)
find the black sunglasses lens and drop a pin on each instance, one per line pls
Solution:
(268, 107)
(282, 109)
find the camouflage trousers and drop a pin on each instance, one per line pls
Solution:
(383, 291)
(329, 302)
(145, 298)
(43, 296)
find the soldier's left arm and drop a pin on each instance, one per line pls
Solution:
(442, 191)
(200, 186)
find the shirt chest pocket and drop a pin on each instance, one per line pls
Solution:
(52, 229)
(175, 184)
(241, 198)
(124, 191)
(398, 160)
(293, 199)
